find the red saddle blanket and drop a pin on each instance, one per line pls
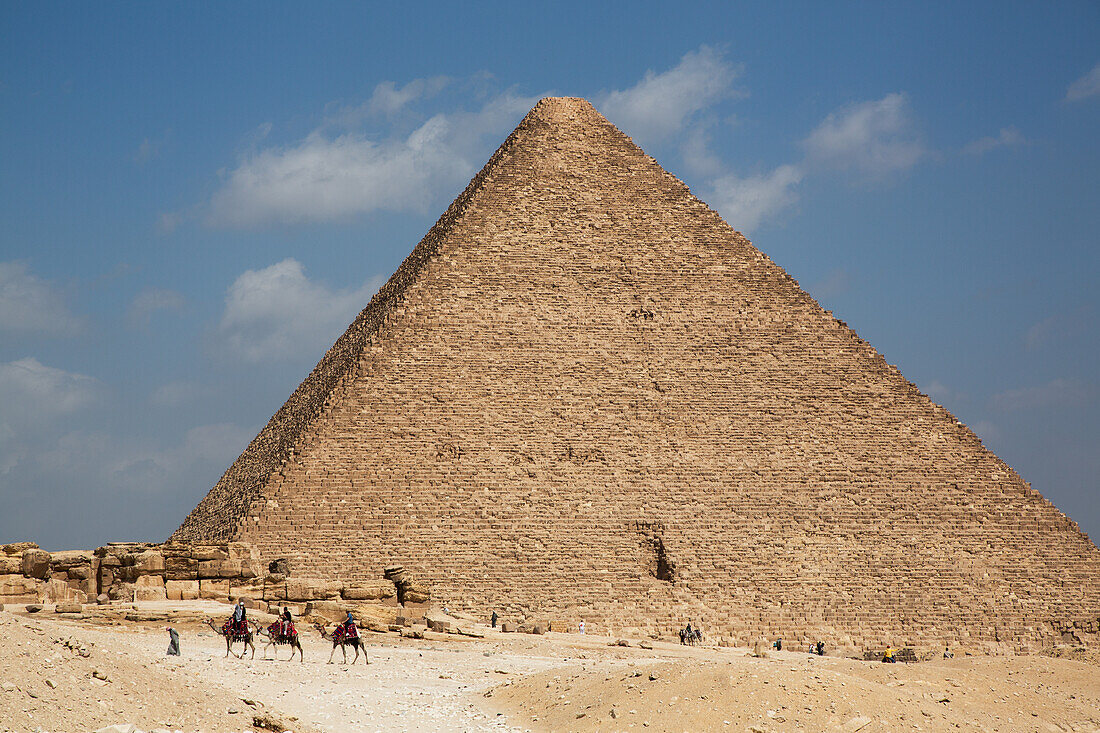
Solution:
(275, 630)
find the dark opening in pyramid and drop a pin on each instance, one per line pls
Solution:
(585, 396)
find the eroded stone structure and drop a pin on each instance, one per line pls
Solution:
(584, 395)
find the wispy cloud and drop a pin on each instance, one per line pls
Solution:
(279, 313)
(29, 304)
(745, 202)
(326, 178)
(1056, 393)
(32, 390)
(836, 282)
(661, 104)
(151, 300)
(387, 100)
(872, 138)
(1008, 137)
(1085, 87)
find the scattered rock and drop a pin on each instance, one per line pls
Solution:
(51, 684)
(269, 721)
(99, 675)
(33, 608)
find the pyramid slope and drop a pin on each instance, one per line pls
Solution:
(584, 394)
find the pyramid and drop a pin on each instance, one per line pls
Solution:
(584, 396)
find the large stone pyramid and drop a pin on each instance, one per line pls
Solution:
(583, 395)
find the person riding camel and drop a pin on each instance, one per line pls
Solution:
(347, 629)
(240, 623)
(286, 622)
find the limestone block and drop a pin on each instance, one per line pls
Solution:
(68, 608)
(147, 593)
(58, 591)
(149, 562)
(181, 590)
(212, 589)
(63, 561)
(241, 551)
(18, 589)
(79, 572)
(181, 568)
(121, 592)
(330, 610)
(250, 592)
(309, 589)
(417, 595)
(209, 553)
(369, 590)
(11, 564)
(17, 548)
(36, 563)
(219, 569)
(149, 581)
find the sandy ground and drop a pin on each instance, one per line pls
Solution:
(505, 682)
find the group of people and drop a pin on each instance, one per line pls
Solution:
(691, 636)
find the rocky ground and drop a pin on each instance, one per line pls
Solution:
(84, 674)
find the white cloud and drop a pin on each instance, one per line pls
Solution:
(661, 104)
(151, 300)
(746, 202)
(1087, 86)
(1008, 136)
(32, 391)
(872, 138)
(279, 313)
(324, 178)
(1058, 392)
(388, 100)
(29, 304)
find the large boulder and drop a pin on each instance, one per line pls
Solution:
(121, 592)
(150, 562)
(36, 563)
(219, 569)
(209, 553)
(17, 548)
(68, 559)
(11, 564)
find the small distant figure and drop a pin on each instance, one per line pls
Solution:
(240, 623)
(890, 655)
(778, 645)
(582, 627)
(947, 654)
(173, 642)
(286, 622)
(494, 618)
(820, 648)
(683, 637)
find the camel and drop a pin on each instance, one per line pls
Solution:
(274, 639)
(338, 640)
(230, 638)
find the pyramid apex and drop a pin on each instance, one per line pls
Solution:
(559, 109)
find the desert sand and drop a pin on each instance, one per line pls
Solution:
(84, 674)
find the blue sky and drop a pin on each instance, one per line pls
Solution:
(197, 199)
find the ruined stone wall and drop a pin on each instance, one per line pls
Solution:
(596, 400)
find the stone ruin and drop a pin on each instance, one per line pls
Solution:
(584, 395)
(136, 571)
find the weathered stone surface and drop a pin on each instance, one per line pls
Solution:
(18, 589)
(181, 590)
(181, 567)
(11, 564)
(121, 592)
(150, 593)
(36, 563)
(366, 590)
(214, 589)
(68, 608)
(310, 589)
(17, 548)
(149, 562)
(209, 553)
(579, 350)
(70, 559)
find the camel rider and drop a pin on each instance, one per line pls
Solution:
(240, 624)
(348, 628)
(287, 621)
